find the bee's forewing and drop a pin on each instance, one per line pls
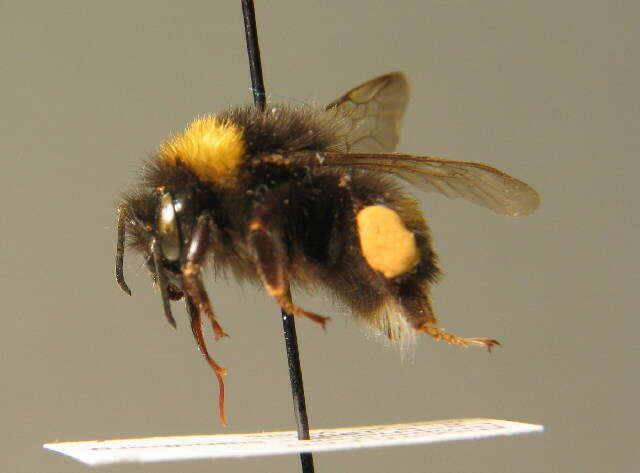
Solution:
(475, 182)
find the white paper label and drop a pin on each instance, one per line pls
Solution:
(153, 449)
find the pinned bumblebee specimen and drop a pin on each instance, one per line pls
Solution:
(306, 196)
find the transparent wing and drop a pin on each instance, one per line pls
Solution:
(372, 113)
(475, 182)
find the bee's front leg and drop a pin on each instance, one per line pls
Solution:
(197, 301)
(191, 271)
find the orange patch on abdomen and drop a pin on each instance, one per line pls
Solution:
(385, 242)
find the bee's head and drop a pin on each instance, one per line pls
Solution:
(159, 223)
(165, 220)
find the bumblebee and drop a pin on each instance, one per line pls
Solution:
(305, 196)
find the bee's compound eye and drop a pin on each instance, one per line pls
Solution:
(168, 228)
(386, 244)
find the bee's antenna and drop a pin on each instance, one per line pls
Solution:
(122, 227)
(288, 324)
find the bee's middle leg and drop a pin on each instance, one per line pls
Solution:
(271, 257)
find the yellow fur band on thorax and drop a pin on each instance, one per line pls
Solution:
(211, 148)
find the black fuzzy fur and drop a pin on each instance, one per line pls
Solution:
(316, 218)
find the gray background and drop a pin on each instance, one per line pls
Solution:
(547, 91)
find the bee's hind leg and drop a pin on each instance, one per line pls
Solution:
(271, 257)
(416, 307)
